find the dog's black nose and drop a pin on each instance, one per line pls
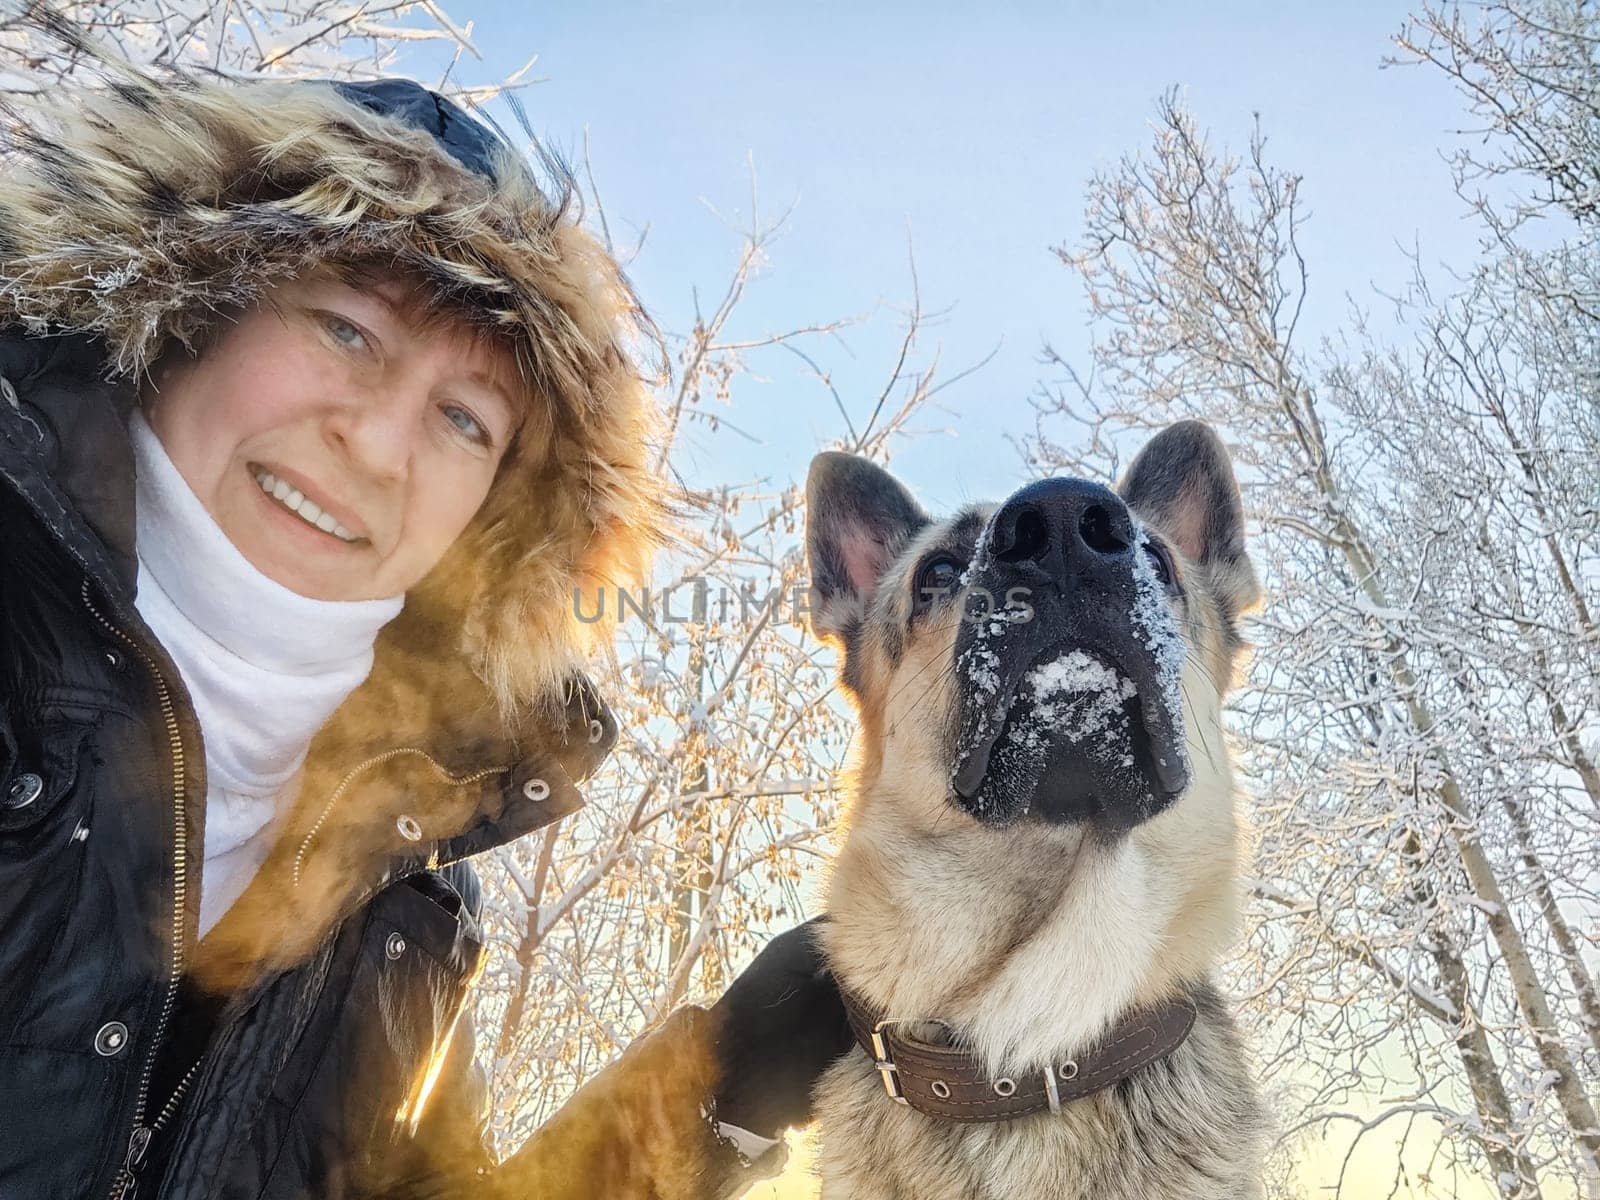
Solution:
(1069, 527)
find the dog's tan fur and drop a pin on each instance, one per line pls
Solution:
(1032, 939)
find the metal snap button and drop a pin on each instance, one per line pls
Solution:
(110, 1039)
(535, 789)
(395, 946)
(409, 829)
(1005, 1087)
(114, 659)
(24, 790)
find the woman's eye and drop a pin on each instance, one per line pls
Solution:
(937, 578)
(467, 424)
(343, 332)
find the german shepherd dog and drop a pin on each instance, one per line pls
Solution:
(1041, 837)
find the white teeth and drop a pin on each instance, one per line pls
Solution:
(305, 509)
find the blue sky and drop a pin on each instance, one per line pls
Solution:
(975, 134)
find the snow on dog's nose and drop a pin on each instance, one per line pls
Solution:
(1070, 706)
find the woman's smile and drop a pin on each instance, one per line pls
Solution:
(280, 533)
(294, 500)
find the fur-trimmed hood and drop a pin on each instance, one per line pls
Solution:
(136, 211)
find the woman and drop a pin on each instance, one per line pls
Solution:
(314, 412)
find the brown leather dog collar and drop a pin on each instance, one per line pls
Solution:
(948, 1083)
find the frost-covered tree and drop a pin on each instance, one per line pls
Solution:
(240, 38)
(1420, 713)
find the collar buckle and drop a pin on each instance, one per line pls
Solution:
(885, 1065)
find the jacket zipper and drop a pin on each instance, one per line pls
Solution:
(124, 1185)
(375, 760)
(171, 1107)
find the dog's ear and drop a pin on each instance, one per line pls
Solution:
(858, 519)
(1182, 483)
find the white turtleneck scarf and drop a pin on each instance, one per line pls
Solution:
(264, 666)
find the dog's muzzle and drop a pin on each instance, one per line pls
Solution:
(1068, 664)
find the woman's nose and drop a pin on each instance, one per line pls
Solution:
(375, 435)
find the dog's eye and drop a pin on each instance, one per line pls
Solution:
(1162, 564)
(937, 579)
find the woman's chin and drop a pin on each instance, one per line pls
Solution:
(307, 571)
(311, 584)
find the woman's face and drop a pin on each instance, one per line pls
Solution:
(340, 449)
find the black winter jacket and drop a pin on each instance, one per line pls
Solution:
(297, 1089)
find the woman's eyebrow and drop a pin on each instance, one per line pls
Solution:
(489, 382)
(395, 309)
